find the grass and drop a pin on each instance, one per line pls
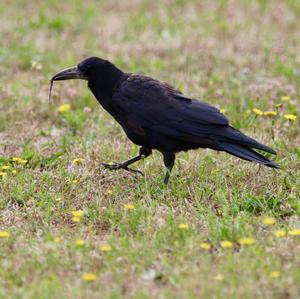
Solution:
(238, 55)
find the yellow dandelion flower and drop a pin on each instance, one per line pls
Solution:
(226, 244)
(76, 219)
(64, 108)
(183, 226)
(19, 160)
(14, 171)
(246, 241)
(78, 161)
(270, 113)
(78, 213)
(205, 245)
(4, 234)
(274, 274)
(294, 232)
(219, 277)
(278, 105)
(56, 240)
(105, 248)
(88, 277)
(285, 98)
(129, 206)
(269, 221)
(257, 111)
(3, 174)
(280, 233)
(291, 117)
(222, 110)
(79, 242)
(5, 167)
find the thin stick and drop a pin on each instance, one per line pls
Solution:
(50, 89)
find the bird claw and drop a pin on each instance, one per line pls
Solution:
(115, 166)
(112, 166)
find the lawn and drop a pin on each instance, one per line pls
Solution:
(224, 228)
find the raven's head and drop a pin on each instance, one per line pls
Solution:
(96, 71)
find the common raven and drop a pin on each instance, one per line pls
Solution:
(154, 115)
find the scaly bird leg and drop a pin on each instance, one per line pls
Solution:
(167, 175)
(144, 152)
(124, 165)
(169, 159)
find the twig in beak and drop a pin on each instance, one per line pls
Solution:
(50, 89)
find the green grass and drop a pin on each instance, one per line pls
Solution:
(237, 55)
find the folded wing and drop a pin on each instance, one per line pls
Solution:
(156, 106)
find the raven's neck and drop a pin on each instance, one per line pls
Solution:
(104, 85)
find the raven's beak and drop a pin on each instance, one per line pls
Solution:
(69, 73)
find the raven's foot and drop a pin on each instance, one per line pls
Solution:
(115, 166)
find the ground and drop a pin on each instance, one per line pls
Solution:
(225, 228)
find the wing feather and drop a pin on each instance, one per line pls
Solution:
(157, 106)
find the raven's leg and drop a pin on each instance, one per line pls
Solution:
(169, 159)
(144, 152)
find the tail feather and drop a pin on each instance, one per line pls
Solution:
(246, 153)
(233, 135)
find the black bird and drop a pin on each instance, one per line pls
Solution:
(154, 115)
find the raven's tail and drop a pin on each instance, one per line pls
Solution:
(245, 152)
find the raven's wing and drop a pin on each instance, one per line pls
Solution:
(146, 103)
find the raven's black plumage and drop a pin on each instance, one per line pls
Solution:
(156, 116)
